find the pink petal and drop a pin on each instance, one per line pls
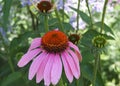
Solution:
(79, 55)
(41, 69)
(67, 69)
(71, 64)
(76, 50)
(35, 65)
(47, 71)
(28, 57)
(56, 70)
(76, 60)
(35, 43)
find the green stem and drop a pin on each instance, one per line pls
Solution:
(6, 46)
(95, 69)
(46, 23)
(99, 65)
(78, 7)
(77, 82)
(61, 25)
(61, 82)
(89, 13)
(63, 11)
(103, 15)
(11, 64)
(32, 18)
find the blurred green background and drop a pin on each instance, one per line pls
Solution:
(21, 26)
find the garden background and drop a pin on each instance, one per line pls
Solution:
(20, 22)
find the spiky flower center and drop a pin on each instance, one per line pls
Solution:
(44, 6)
(74, 38)
(99, 41)
(54, 41)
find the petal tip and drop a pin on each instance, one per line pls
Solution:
(20, 64)
(37, 81)
(30, 77)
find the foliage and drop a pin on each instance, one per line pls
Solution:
(21, 25)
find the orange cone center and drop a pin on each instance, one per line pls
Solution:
(54, 41)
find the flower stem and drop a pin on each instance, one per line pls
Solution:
(6, 46)
(63, 11)
(103, 15)
(95, 69)
(78, 7)
(61, 25)
(61, 82)
(32, 18)
(89, 13)
(11, 64)
(46, 23)
(77, 82)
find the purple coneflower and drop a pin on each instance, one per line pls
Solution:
(49, 53)
(41, 5)
(44, 5)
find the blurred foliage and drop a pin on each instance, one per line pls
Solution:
(21, 25)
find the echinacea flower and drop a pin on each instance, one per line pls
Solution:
(99, 41)
(44, 6)
(41, 5)
(74, 38)
(49, 53)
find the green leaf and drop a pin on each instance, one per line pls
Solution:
(4, 69)
(6, 12)
(88, 73)
(67, 26)
(106, 27)
(87, 37)
(53, 23)
(108, 37)
(20, 43)
(13, 79)
(87, 56)
(83, 15)
(63, 12)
